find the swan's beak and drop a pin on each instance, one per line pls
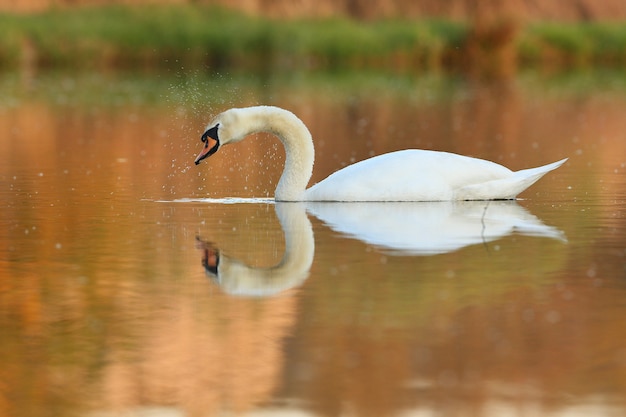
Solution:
(210, 147)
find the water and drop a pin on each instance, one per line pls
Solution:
(111, 303)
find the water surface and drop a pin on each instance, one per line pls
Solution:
(111, 302)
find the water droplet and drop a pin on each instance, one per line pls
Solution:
(553, 317)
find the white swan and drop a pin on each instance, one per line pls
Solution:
(408, 175)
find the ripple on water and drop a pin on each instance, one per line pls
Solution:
(225, 200)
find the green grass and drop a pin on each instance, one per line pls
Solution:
(582, 44)
(189, 35)
(161, 35)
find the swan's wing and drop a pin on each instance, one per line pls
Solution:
(409, 175)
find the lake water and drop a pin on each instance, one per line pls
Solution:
(109, 300)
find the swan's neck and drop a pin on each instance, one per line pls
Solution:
(299, 152)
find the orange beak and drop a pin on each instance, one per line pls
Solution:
(210, 147)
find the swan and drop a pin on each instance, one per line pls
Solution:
(406, 175)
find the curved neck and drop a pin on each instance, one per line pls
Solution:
(298, 143)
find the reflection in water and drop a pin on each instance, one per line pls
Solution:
(430, 228)
(237, 278)
(104, 308)
(400, 228)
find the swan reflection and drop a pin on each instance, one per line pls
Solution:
(237, 278)
(430, 228)
(397, 228)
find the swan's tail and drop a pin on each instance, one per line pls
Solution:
(527, 177)
(539, 172)
(507, 188)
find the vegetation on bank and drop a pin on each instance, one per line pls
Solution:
(574, 44)
(161, 36)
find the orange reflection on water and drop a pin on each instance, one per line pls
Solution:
(104, 305)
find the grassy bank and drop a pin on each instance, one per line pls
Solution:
(574, 45)
(124, 37)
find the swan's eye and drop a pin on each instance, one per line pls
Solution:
(211, 133)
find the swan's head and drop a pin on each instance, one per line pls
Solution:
(227, 127)
(211, 140)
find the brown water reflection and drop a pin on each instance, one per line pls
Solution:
(105, 307)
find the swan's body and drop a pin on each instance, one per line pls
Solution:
(408, 175)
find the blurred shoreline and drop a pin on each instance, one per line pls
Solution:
(487, 42)
(527, 10)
